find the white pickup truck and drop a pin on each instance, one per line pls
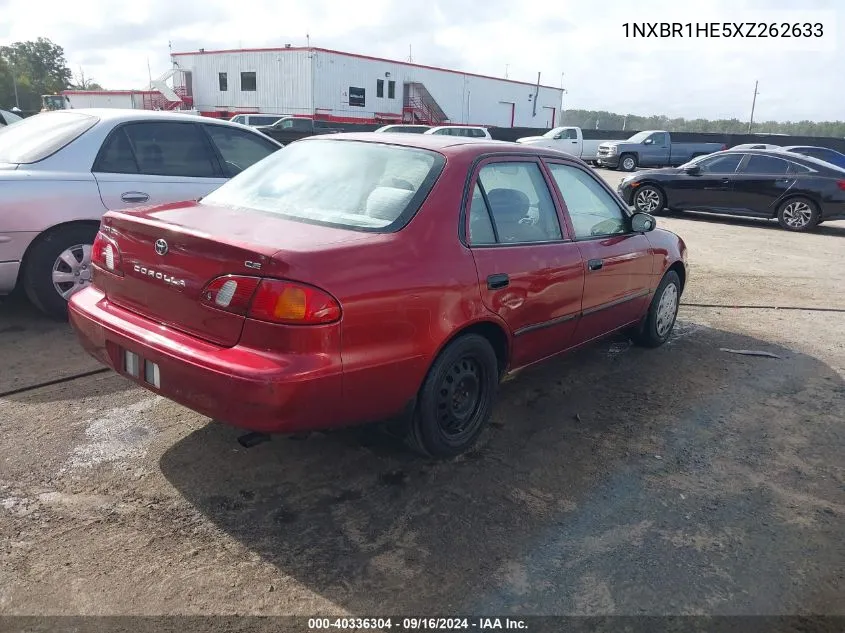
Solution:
(567, 139)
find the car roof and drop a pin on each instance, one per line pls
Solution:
(465, 127)
(790, 147)
(442, 143)
(779, 153)
(128, 114)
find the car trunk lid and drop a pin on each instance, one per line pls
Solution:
(169, 254)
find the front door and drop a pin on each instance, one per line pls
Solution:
(155, 162)
(529, 273)
(709, 189)
(617, 263)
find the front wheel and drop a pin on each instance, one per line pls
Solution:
(456, 400)
(628, 162)
(657, 327)
(58, 266)
(798, 214)
(649, 199)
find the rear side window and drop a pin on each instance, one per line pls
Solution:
(263, 120)
(516, 197)
(42, 135)
(171, 149)
(239, 149)
(116, 156)
(766, 165)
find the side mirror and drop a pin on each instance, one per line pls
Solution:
(643, 223)
(648, 141)
(692, 170)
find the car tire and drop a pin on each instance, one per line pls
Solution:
(656, 327)
(628, 162)
(456, 400)
(798, 214)
(43, 264)
(649, 199)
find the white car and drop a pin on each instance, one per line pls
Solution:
(401, 128)
(460, 130)
(256, 120)
(61, 171)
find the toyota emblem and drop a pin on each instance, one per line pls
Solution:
(161, 247)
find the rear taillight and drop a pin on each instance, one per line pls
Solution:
(841, 184)
(271, 300)
(293, 303)
(106, 255)
(231, 293)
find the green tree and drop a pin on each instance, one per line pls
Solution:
(38, 67)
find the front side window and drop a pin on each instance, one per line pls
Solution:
(520, 205)
(350, 184)
(171, 149)
(768, 165)
(248, 83)
(238, 149)
(720, 164)
(593, 211)
(37, 137)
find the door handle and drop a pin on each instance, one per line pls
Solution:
(575, 142)
(135, 196)
(726, 181)
(595, 264)
(498, 281)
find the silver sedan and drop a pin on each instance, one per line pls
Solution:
(60, 171)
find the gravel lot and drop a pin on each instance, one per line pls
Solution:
(683, 480)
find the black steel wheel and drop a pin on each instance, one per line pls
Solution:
(456, 399)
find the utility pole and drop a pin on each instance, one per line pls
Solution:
(506, 70)
(753, 103)
(15, 85)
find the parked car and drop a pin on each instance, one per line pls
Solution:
(256, 120)
(798, 190)
(60, 171)
(404, 128)
(7, 118)
(467, 131)
(292, 128)
(756, 146)
(822, 153)
(652, 148)
(244, 306)
(566, 139)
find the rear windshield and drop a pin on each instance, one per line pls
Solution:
(39, 136)
(352, 184)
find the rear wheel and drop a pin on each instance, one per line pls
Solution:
(660, 319)
(627, 162)
(649, 199)
(58, 266)
(798, 214)
(456, 400)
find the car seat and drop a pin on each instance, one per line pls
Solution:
(510, 211)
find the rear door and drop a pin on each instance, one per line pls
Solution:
(617, 264)
(154, 162)
(657, 152)
(529, 272)
(761, 182)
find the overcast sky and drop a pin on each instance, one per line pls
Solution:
(800, 78)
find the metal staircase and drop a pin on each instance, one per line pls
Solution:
(162, 97)
(420, 106)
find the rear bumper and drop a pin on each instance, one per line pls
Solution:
(244, 387)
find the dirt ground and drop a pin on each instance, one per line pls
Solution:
(618, 480)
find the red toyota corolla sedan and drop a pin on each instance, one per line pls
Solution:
(361, 278)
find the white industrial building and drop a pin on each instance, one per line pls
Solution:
(349, 88)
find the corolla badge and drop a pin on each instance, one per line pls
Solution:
(161, 247)
(155, 274)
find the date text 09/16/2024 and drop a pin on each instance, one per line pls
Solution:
(416, 624)
(723, 29)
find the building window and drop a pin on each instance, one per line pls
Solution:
(380, 88)
(391, 89)
(223, 80)
(248, 82)
(357, 97)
